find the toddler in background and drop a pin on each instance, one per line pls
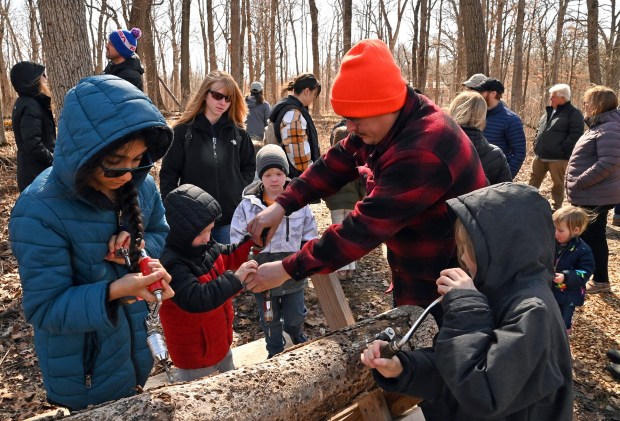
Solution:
(287, 300)
(574, 261)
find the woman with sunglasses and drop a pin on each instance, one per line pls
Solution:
(293, 126)
(66, 229)
(33, 121)
(211, 148)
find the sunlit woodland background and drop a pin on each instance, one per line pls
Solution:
(438, 43)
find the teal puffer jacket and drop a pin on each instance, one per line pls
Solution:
(89, 350)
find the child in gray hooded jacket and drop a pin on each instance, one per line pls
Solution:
(287, 300)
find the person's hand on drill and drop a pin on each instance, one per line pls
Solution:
(269, 218)
(117, 242)
(134, 284)
(246, 271)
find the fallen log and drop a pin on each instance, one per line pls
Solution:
(308, 382)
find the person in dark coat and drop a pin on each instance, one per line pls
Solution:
(198, 321)
(124, 62)
(211, 149)
(33, 121)
(560, 126)
(469, 110)
(502, 352)
(258, 112)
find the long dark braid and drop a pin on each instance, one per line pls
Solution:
(132, 215)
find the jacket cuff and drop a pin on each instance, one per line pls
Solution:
(292, 267)
(111, 306)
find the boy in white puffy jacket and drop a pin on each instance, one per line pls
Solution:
(287, 300)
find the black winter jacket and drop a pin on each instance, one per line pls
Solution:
(557, 135)
(131, 70)
(502, 352)
(576, 261)
(493, 160)
(33, 124)
(218, 158)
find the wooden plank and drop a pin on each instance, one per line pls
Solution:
(352, 413)
(334, 304)
(374, 408)
(400, 404)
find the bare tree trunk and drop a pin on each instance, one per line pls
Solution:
(7, 91)
(185, 66)
(437, 51)
(347, 18)
(34, 39)
(140, 17)
(235, 42)
(422, 59)
(3, 140)
(517, 73)
(594, 59)
(308, 382)
(474, 30)
(556, 56)
(614, 79)
(273, 12)
(211, 36)
(499, 37)
(252, 73)
(316, 65)
(58, 18)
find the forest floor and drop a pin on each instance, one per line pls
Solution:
(596, 327)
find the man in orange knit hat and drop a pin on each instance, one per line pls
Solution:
(413, 158)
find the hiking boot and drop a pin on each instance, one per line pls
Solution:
(616, 220)
(614, 369)
(614, 356)
(299, 339)
(593, 287)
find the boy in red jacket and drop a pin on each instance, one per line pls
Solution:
(198, 322)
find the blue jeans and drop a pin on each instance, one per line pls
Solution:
(289, 313)
(221, 234)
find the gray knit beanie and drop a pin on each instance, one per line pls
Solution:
(271, 156)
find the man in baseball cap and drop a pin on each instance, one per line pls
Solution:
(504, 127)
(475, 81)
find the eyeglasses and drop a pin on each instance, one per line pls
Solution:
(218, 96)
(354, 121)
(119, 172)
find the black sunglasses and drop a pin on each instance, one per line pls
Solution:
(218, 96)
(119, 172)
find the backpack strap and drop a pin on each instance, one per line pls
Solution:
(188, 135)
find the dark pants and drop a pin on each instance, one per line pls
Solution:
(567, 311)
(596, 238)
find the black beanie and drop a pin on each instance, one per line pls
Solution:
(271, 156)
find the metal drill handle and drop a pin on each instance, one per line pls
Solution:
(394, 346)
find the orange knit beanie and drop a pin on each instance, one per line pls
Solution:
(369, 82)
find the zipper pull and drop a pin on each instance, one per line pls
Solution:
(119, 215)
(89, 381)
(214, 147)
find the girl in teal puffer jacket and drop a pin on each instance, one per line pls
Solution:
(89, 330)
